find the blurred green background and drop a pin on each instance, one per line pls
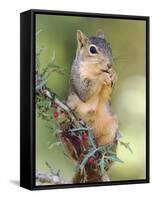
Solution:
(127, 38)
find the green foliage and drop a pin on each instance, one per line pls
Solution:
(126, 145)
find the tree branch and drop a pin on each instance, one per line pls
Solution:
(53, 178)
(63, 106)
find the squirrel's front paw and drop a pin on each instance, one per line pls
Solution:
(110, 77)
(113, 75)
(107, 79)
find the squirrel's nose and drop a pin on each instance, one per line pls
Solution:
(109, 66)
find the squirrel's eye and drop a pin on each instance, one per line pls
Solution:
(93, 50)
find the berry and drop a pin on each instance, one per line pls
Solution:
(84, 136)
(55, 115)
(91, 160)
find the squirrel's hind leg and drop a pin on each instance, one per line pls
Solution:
(108, 132)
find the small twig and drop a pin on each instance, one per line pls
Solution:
(51, 178)
(78, 129)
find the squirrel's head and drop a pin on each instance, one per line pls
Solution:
(94, 50)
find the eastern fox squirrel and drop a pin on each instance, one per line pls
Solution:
(91, 82)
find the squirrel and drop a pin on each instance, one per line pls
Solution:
(90, 87)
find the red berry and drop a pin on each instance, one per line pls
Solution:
(84, 136)
(55, 115)
(91, 160)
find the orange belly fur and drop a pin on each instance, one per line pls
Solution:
(96, 113)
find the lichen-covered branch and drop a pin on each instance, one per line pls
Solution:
(62, 106)
(51, 178)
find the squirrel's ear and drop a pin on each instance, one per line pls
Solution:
(100, 34)
(81, 39)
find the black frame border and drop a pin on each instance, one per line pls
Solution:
(27, 98)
